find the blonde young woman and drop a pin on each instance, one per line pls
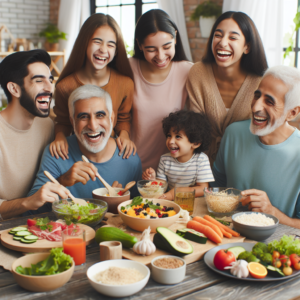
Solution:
(99, 58)
(222, 85)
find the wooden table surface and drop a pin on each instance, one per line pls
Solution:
(200, 282)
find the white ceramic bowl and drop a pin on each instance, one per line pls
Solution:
(118, 290)
(168, 276)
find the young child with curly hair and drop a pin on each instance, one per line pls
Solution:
(188, 135)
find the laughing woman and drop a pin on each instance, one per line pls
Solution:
(99, 58)
(160, 70)
(223, 83)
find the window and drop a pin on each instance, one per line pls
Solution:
(125, 12)
(290, 9)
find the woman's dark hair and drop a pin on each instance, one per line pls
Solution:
(77, 57)
(255, 61)
(153, 21)
(196, 126)
(13, 67)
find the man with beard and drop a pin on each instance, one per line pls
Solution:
(265, 163)
(25, 130)
(92, 118)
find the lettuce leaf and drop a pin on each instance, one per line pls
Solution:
(286, 245)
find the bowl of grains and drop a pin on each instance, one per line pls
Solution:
(222, 201)
(254, 225)
(168, 269)
(118, 277)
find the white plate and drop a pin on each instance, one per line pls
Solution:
(209, 261)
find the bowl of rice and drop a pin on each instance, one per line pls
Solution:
(118, 277)
(255, 225)
(151, 188)
(222, 201)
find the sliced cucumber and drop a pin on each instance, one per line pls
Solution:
(31, 237)
(23, 233)
(18, 238)
(27, 241)
(12, 232)
(19, 229)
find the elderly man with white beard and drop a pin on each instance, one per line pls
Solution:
(92, 117)
(264, 162)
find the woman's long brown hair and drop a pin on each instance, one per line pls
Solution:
(77, 58)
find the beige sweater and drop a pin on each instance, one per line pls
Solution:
(20, 155)
(204, 96)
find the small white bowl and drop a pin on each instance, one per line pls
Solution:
(118, 290)
(168, 276)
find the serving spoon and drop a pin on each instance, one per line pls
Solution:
(128, 186)
(75, 200)
(110, 189)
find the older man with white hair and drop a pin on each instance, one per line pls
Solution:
(92, 118)
(264, 162)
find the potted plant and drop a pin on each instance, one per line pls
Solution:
(52, 35)
(207, 13)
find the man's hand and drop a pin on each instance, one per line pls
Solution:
(59, 147)
(149, 174)
(124, 142)
(49, 192)
(80, 172)
(257, 201)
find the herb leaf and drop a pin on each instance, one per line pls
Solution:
(136, 201)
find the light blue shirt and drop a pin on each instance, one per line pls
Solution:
(117, 168)
(243, 162)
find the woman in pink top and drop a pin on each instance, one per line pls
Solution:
(160, 69)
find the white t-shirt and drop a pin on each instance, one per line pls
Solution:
(197, 169)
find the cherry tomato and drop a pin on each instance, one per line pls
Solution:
(223, 258)
(277, 263)
(31, 222)
(285, 260)
(287, 271)
(276, 254)
(296, 265)
(294, 258)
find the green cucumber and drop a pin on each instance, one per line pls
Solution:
(12, 232)
(275, 272)
(104, 234)
(27, 241)
(18, 238)
(23, 233)
(31, 237)
(19, 229)
(192, 235)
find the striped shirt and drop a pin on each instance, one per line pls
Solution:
(196, 170)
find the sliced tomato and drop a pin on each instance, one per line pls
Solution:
(120, 193)
(160, 183)
(93, 211)
(154, 183)
(31, 222)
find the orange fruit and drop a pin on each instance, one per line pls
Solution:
(257, 270)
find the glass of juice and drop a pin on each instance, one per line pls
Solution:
(185, 198)
(74, 244)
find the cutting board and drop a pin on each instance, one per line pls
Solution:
(40, 245)
(198, 253)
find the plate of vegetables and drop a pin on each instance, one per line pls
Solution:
(275, 261)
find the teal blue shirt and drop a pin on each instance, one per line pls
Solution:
(243, 162)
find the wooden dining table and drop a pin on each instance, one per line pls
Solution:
(199, 283)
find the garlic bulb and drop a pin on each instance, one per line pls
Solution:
(145, 246)
(239, 268)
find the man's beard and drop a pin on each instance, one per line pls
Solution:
(95, 148)
(29, 104)
(267, 129)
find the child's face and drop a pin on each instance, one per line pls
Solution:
(179, 145)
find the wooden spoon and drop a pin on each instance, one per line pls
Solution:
(75, 200)
(112, 192)
(128, 186)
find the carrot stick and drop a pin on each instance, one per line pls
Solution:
(225, 233)
(210, 224)
(206, 230)
(209, 218)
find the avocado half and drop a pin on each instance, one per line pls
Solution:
(168, 240)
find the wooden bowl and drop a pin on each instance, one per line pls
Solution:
(39, 283)
(142, 224)
(112, 202)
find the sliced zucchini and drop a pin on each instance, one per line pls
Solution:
(12, 232)
(17, 238)
(31, 237)
(27, 241)
(23, 233)
(19, 229)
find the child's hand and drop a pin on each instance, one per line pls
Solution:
(149, 174)
(168, 196)
(59, 147)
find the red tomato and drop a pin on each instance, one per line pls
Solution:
(31, 222)
(154, 183)
(276, 254)
(223, 258)
(294, 258)
(285, 260)
(296, 266)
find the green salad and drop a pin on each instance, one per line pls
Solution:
(75, 213)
